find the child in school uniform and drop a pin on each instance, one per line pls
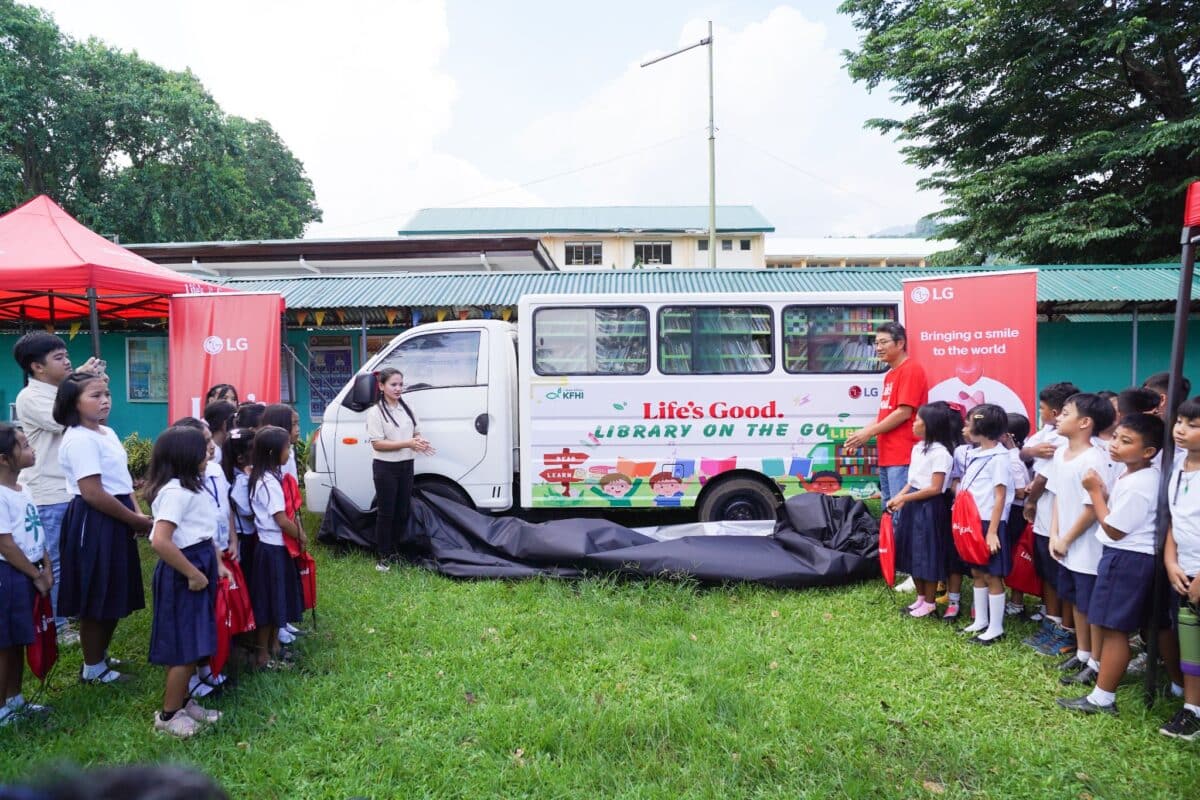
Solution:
(25, 570)
(1125, 576)
(1181, 556)
(284, 416)
(101, 572)
(1056, 637)
(218, 416)
(1073, 525)
(236, 467)
(1014, 440)
(184, 627)
(989, 480)
(275, 591)
(925, 524)
(956, 568)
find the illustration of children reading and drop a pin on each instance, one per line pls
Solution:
(825, 482)
(668, 490)
(617, 488)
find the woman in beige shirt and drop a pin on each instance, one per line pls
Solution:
(392, 432)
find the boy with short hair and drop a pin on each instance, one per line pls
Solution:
(1160, 383)
(1125, 575)
(43, 358)
(1181, 554)
(1057, 635)
(1073, 525)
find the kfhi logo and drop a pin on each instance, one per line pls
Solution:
(214, 345)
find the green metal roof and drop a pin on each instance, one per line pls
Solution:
(1088, 289)
(583, 219)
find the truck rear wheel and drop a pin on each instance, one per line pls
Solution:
(738, 499)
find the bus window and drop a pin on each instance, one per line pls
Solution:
(591, 341)
(822, 339)
(715, 340)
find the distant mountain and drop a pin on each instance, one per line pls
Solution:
(921, 229)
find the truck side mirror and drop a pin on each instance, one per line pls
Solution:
(363, 392)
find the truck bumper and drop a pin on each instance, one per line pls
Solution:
(317, 487)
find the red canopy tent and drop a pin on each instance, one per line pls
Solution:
(52, 269)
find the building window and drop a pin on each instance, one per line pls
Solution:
(584, 254)
(727, 244)
(702, 244)
(652, 252)
(745, 243)
(146, 369)
(591, 341)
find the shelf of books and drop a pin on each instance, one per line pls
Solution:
(707, 340)
(833, 338)
(589, 341)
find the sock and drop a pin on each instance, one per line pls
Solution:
(996, 613)
(1056, 620)
(955, 597)
(981, 610)
(1195, 709)
(1099, 697)
(16, 701)
(205, 671)
(1083, 656)
(1094, 664)
(91, 671)
(166, 716)
(1176, 690)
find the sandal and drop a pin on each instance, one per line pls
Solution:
(121, 677)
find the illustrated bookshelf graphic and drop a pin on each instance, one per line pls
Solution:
(714, 340)
(833, 338)
(591, 341)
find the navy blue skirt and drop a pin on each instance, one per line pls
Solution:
(101, 573)
(184, 628)
(275, 590)
(16, 607)
(247, 544)
(1124, 587)
(925, 529)
(1000, 563)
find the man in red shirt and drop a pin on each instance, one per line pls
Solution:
(905, 389)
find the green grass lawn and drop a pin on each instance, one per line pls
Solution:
(415, 685)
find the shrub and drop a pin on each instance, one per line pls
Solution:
(138, 450)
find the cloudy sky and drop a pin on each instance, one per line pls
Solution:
(395, 105)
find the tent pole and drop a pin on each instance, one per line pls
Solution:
(1133, 380)
(94, 320)
(1183, 306)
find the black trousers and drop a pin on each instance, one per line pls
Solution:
(393, 496)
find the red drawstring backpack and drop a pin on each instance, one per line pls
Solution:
(967, 529)
(292, 501)
(887, 549)
(224, 628)
(307, 568)
(44, 651)
(1024, 577)
(241, 613)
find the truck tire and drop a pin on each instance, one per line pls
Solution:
(738, 499)
(444, 489)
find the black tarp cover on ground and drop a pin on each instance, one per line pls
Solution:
(818, 540)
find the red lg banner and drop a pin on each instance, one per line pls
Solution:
(976, 337)
(222, 338)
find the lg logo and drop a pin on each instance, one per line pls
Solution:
(863, 391)
(923, 294)
(215, 344)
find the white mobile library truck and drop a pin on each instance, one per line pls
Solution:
(725, 403)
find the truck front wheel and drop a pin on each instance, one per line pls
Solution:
(445, 489)
(738, 499)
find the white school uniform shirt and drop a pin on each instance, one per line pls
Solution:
(1065, 479)
(19, 517)
(1115, 468)
(85, 452)
(1041, 466)
(959, 462)
(290, 467)
(239, 495)
(216, 486)
(985, 470)
(267, 501)
(1019, 473)
(1133, 507)
(192, 513)
(1185, 517)
(923, 465)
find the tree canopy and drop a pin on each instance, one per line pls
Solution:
(133, 149)
(1056, 132)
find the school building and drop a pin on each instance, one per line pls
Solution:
(1100, 326)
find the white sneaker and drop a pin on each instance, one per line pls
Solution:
(293, 630)
(285, 637)
(198, 688)
(907, 585)
(180, 725)
(200, 713)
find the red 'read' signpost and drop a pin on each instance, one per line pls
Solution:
(228, 338)
(976, 337)
(1183, 306)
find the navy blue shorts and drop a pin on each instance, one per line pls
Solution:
(16, 607)
(1124, 587)
(1081, 587)
(1043, 563)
